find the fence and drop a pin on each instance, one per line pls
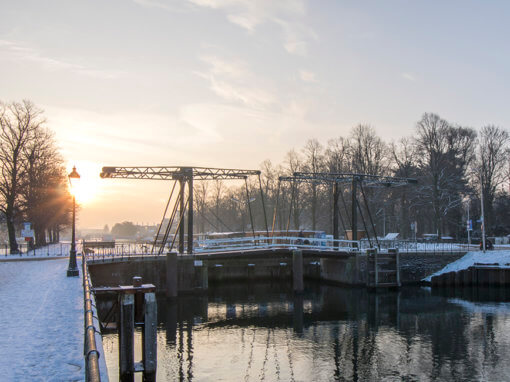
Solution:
(58, 249)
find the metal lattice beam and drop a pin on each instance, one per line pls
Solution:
(175, 173)
(368, 180)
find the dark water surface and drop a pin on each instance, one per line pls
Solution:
(255, 332)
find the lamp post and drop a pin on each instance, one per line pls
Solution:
(72, 269)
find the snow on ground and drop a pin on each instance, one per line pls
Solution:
(41, 321)
(501, 257)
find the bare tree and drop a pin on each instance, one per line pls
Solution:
(444, 153)
(19, 122)
(293, 163)
(368, 151)
(490, 166)
(200, 194)
(404, 166)
(313, 162)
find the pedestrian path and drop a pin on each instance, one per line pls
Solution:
(41, 321)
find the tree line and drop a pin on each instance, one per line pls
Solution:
(33, 180)
(453, 165)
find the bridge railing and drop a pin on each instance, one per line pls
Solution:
(410, 246)
(263, 242)
(126, 250)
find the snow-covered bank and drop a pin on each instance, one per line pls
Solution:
(41, 321)
(490, 257)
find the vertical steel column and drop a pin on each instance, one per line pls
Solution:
(354, 213)
(335, 213)
(249, 206)
(182, 185)
(275, 209)
(263, 205)
(190, 212)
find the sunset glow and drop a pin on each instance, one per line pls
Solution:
(88, 187)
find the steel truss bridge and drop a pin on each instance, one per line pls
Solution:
(183, 205)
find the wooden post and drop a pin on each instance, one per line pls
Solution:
(126, 337)
(150, 344)
(297, 270)
(137, 282)
(171, 275)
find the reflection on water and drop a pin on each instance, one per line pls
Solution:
(253, 332)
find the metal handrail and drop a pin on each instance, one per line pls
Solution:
(90, 352)
(128, 250)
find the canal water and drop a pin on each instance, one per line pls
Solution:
(263, 332)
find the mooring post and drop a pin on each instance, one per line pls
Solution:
(150, 344)
(137, 282)
(297, 270)
(171, 275)
(126, 337)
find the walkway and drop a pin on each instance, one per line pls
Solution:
(41, 321)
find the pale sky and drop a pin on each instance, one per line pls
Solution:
(230, 83)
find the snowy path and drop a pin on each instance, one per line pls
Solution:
(41, 321)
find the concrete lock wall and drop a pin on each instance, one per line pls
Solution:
(194, 273)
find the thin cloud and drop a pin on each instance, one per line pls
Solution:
(233, 81)
(248, 14)
(285, 13)
(307, 76)
(166, 5)
(409, 77)
(22, 52)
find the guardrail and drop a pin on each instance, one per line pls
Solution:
(126, 250)
(57, 249)
(262, 242)
(90, 350)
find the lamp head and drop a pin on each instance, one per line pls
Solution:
(73, 177)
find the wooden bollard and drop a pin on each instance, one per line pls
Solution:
(171, 274)
(137, 282)
(150, 343)
(297, 270)
(126, 337)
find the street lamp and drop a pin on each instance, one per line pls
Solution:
(72, 269)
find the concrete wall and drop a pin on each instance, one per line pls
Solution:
(416, 266)
(339, 268)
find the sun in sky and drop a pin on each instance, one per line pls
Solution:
(88, 188)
